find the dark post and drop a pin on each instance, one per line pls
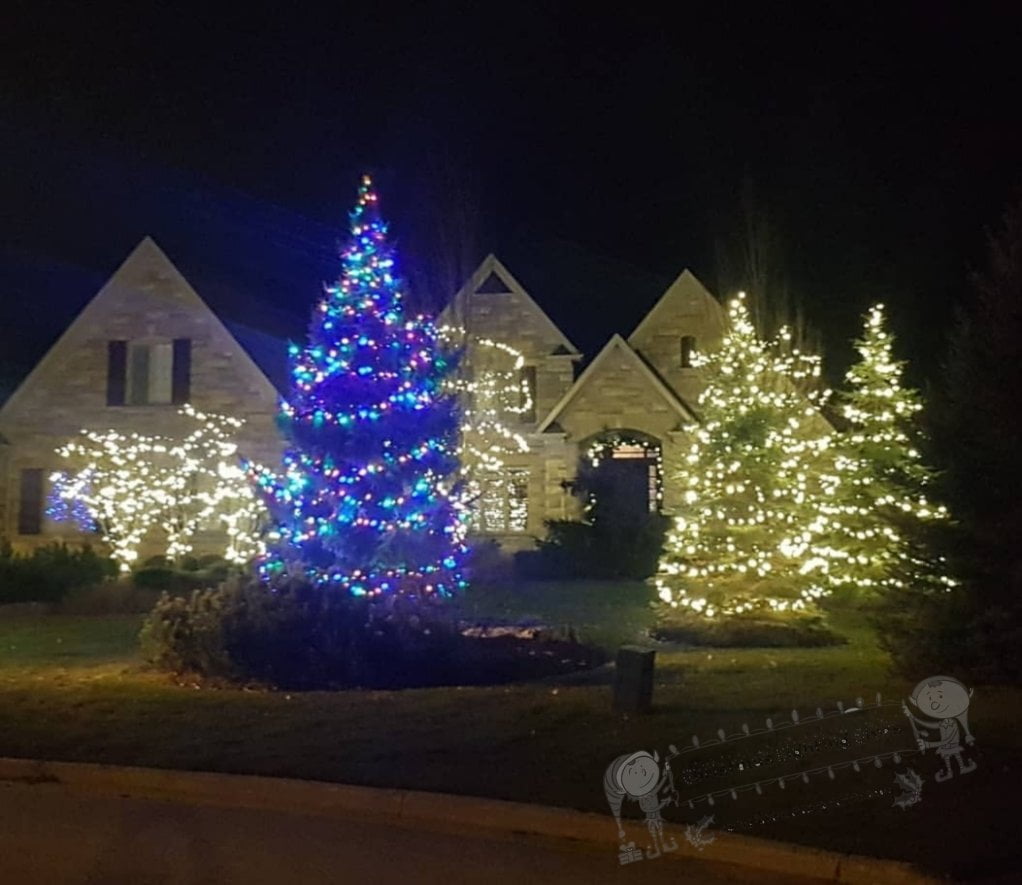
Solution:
(633, 679)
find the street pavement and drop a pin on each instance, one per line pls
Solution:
(49, 834)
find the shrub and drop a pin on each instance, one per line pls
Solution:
(300, 637)
(746, 631)
(602, 549)
(486, 562)
(48, 573)
(966, 632)
(190, 574)
(295, 636)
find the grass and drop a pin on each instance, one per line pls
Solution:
(74, 688)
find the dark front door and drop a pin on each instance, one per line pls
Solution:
(625, 483)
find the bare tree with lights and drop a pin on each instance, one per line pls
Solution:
(126, 486)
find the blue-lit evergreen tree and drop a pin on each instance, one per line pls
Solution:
(368, 502)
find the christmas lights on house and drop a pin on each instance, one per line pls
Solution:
(368, 501)
(492, 394)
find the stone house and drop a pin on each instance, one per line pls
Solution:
(148, 341)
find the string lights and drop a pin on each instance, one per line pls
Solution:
(882, 498)
(745, 538)
(492, 394)
(125, 485)
(369, 500)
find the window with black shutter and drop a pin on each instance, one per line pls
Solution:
(149, 373)
(30, 504)
(688, 347)
(181, 387)
(116, 372)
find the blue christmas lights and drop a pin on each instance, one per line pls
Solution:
(367, 502)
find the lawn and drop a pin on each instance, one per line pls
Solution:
(73, 688)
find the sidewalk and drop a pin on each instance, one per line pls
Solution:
(441, 813)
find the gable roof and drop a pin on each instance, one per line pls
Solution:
(268, 352)
(145, 261)
(616, 344)
(487, 279)
(685, 290)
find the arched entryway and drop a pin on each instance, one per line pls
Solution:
(626, 466)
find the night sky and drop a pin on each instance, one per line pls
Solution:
(597, 154)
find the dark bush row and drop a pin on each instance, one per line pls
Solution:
(300, 637)
(191, 573)
(599, 550)
(745, 631)
(48, 574)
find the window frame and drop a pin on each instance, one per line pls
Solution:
(687, 344)
(124, 368)
(509, 478)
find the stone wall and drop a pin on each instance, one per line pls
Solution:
(67, 392)
(686, 309)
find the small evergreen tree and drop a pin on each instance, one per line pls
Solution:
(368, 503)
(884, 500)
(743, 541)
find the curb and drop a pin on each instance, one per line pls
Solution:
(446, 812)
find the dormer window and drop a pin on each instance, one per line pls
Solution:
(688, 347)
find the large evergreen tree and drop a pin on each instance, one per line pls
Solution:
(368, 503)
(976, 628)
(879, 514)
(743, 541)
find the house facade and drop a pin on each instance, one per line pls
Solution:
(147, 342)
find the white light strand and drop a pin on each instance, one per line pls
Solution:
(130, 483)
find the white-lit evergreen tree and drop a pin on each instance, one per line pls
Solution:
(879, 515)
(744, 539)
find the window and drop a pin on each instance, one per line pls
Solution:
(30, 504)
(493, 285)
(527, 386)
(503, 505)
(148, 373)
(688, 346)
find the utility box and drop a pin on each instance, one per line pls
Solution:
(633, 679)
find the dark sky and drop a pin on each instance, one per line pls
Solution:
(598, 153)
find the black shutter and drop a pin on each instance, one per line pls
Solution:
(688, 347)
(30, 505)
(116, 372)
(181, 386)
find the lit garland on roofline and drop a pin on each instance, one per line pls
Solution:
(368, 500)
(605, 446)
